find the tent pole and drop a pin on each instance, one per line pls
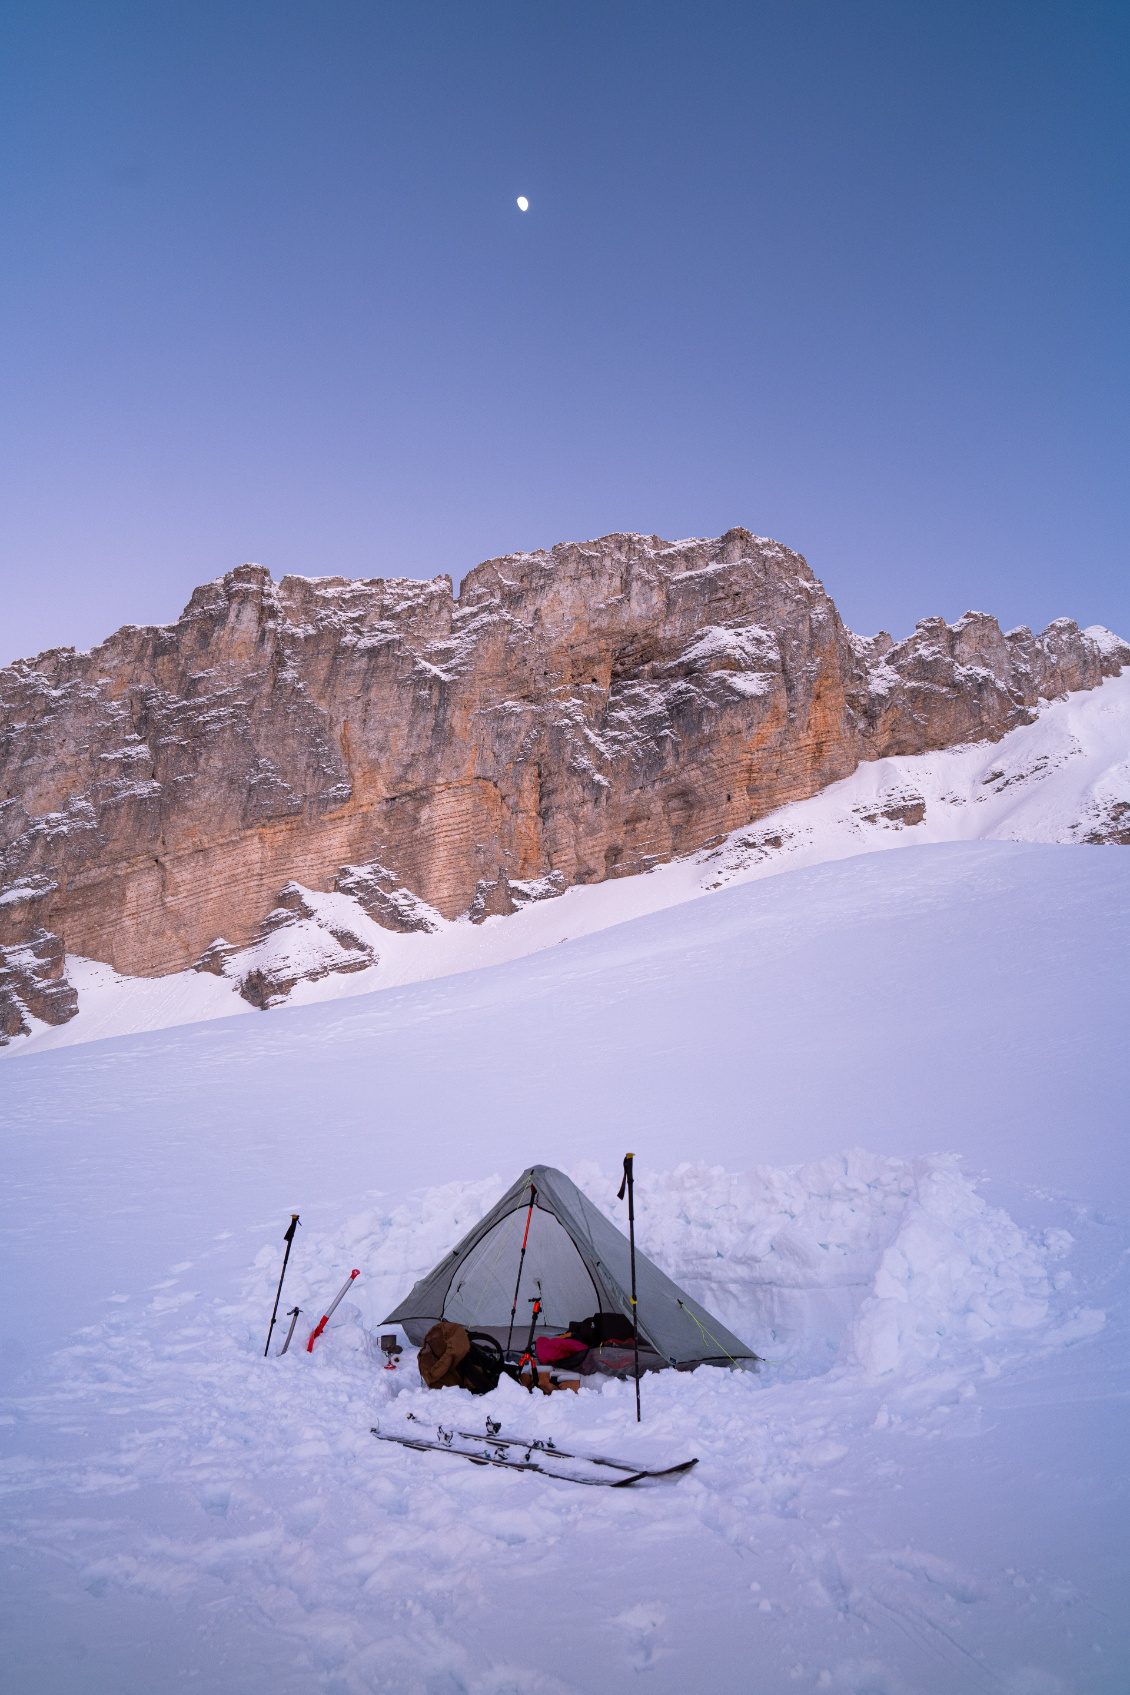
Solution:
(628, 1183)
(521, 1259)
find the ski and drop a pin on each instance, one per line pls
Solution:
(550, 1449)
(490, 1456)
(548, 1446)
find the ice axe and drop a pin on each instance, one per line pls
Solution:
(293, 1317)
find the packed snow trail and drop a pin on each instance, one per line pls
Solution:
(1064, 779)
(927, 1496)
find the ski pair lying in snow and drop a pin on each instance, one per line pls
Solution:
(517, 1453)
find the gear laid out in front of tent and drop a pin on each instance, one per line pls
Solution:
(550, 1461)
(391, 1350)
(330, 1310)
(555, 1350)
(551, 1380)
(601, 1327)
(616, 1359)
(546, 1233)
(593, 1344)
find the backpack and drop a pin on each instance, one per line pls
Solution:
(482, 1364)
(452, 1357)
(601, 1327)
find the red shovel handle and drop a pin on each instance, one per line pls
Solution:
(327, 1315)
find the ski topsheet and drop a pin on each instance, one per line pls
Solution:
(549, 1448)
(549, 1462)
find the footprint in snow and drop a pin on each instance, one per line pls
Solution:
(640, 1625)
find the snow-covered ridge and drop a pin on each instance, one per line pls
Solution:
(1064, 779)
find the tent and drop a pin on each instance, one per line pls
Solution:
(581, 1262)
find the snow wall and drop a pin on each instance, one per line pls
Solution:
(875, 1264)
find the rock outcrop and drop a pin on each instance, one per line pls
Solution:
(572, 715)
(298, 941)
(33, 984)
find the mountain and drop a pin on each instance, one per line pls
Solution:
(1063, 779)
(178, 794)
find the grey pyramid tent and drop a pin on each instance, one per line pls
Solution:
(581, 1262)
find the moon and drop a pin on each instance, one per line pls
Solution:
(523, 203)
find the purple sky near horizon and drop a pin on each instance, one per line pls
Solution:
(851, 275)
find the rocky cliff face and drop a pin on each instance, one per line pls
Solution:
(572, 715)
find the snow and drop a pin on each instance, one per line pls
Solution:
(878, 1112)
(749, 649)
(1060, 779)
(322, 942)
(881, 1262)
(1105, 640)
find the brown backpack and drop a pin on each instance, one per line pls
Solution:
(452, 1358)
(444, 1346)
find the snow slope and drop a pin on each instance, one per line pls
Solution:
(878, 1109)
(1065, 778)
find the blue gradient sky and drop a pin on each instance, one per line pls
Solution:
(853, 275)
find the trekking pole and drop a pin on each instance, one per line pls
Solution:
(521, 1260)
(627, 1183)
(288, 1239)
(293, 1317)
(531, 1352)
(330, 1310)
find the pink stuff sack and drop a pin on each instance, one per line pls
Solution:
(551, 1350)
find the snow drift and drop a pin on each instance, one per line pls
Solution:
(872, 1264)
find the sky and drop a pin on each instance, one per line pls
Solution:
(852, 275)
